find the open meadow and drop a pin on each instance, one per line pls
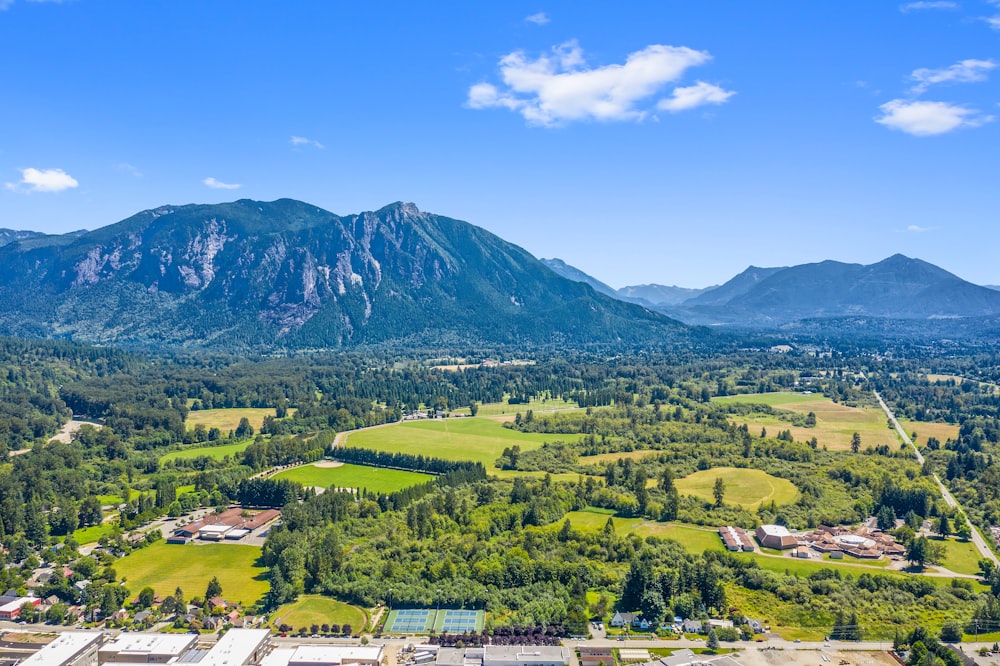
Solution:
(695, 539)
(375, 479)
(746, 487)
(537, 405)
(477, 439)
(214, 452)
(165, 567)
(835, 423)
(227, 419)
(926, 429)
(310, 609)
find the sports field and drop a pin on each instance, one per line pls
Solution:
(227, 419)
(375, 479)
(748, 488)
(835, 423)
(165, 567)
(426, 620)
(477, 439)
(310, 609)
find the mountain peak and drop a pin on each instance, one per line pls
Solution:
(403, 209)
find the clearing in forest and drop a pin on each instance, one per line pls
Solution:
(310, 609)
(227, 419)
(476, 439)
(835, 423)
(746, 487)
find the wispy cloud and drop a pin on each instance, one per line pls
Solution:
(541, 18)
(129, 168)
(927, 4)
(964, 71)
(5, 4)
(303, 141)
(699, 94)
(219, 185)
(558, 87)
(43, 180)
(921, 118)
(917, 229)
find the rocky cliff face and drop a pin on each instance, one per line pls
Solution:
(286, 274)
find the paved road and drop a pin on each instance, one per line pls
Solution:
(949, 499)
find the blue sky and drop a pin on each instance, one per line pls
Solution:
(668, 142)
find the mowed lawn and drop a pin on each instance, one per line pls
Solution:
(477, 439)
(748, 488)
(227, 419)
(165, 567)
(835, 423)
(214, 452)
(960, 556)
(313, 609)
(375, 479)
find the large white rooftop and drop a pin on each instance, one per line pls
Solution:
(335, 654)
(68, 645)
(775, 530)
(236, 647)
(150, 644)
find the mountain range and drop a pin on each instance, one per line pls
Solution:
(898, 288)
(288, 275)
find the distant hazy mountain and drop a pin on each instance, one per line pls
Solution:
(576, 275)
(895, 288)
(10, 235)
(659, 294)
(289, 275)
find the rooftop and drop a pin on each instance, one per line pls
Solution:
(68, 645)
(136, 644)
(236, 647)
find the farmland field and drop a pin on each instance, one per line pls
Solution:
(835, 423)
(746, 487)
(312, 609)
(227, 419)
(476, 439)
(354, 476)
(539, 406)
(925, 430)
(165, 567)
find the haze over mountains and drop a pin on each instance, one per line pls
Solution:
(289, 275)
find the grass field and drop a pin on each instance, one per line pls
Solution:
(835, 423)
(227, 419)
(166, 567)
(214, 452)
(86, 535)
(960, 556)
(694, 539)
(748, 488)
(537, 406)
(926, 430)
(374, 479)
(602, 458)
(477, 439)
(312, 609)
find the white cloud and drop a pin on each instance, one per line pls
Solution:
(541, 18)
(4, 4)
(917, 229)
(927, 4)
(994, 21)
(303, 141)
(558, 87)
(928, 118)
(964, 71)
(43, 180)
(699, 94)
(219, 185)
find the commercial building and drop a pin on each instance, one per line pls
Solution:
(505, 655)
(71, 648)
(736, 539)
(776, 536)
(146, 648)
(239, 647)
(326, 655)
(595, 656)
(10, 607)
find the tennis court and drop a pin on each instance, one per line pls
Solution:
(424, 620)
